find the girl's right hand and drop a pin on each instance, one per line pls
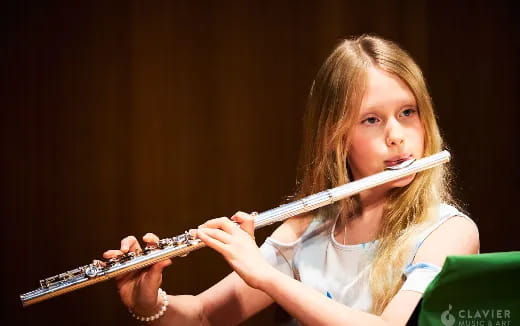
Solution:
(139, 289)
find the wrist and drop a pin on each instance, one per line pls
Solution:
(268, 279)
(147, 308)
(154, 313)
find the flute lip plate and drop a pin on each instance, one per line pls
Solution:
(401, 165)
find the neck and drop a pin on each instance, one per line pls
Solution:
(372, 204)
(364, 226)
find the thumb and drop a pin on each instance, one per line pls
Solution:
(154, 274)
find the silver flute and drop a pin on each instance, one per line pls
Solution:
(182, 245)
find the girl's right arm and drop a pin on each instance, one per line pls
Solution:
(228, 302)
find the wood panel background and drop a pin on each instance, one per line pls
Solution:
(126, 117)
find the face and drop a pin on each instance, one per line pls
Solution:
(388, 128)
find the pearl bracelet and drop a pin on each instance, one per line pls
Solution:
(157, 315)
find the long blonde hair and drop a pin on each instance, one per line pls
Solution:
(333, 105)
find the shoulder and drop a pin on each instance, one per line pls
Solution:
(457, 235)
(292, 229)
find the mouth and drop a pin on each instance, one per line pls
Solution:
(398, 161)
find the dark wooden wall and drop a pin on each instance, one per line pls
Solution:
(126, 117)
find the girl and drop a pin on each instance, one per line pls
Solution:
(365, 260)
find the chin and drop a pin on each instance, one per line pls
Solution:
(403, 182)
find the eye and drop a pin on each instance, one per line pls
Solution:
(408, 112)
(370, 121)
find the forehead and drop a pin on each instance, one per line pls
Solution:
(385, 90)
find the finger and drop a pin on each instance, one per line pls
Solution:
(158, 267)
(130, 243)
(151, 238)
(150, 281)
(222, 223)
(211, 242)
(112, 253)
(246, 222)
(193, 232)
(218, 234)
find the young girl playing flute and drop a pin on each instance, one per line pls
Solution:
(365, 260)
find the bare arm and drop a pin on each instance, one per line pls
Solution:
(230, 301)
(457, 236)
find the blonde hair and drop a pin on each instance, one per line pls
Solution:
(333, 105)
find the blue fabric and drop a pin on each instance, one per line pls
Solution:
(411, 268)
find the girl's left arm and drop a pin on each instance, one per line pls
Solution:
(455, 237)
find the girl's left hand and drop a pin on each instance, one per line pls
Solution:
(235, 241)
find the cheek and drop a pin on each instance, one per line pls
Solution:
(364, 152)
(363, 139)
(360, 148)
(415, 136)
(420, 139)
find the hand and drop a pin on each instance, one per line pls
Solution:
(235, 242)
(138, 290)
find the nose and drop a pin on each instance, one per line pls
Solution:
(394, 133)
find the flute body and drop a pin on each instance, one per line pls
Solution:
(183, 244)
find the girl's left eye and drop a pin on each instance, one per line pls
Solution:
(408, 112)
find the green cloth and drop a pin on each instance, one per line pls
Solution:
(474, 290)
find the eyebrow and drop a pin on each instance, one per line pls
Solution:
(377, 108)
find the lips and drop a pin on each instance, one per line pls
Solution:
(397, 160)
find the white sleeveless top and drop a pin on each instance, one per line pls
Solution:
(341, 271)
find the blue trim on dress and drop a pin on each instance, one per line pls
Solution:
(410, 268)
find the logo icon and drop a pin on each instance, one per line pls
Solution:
(446, 318)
